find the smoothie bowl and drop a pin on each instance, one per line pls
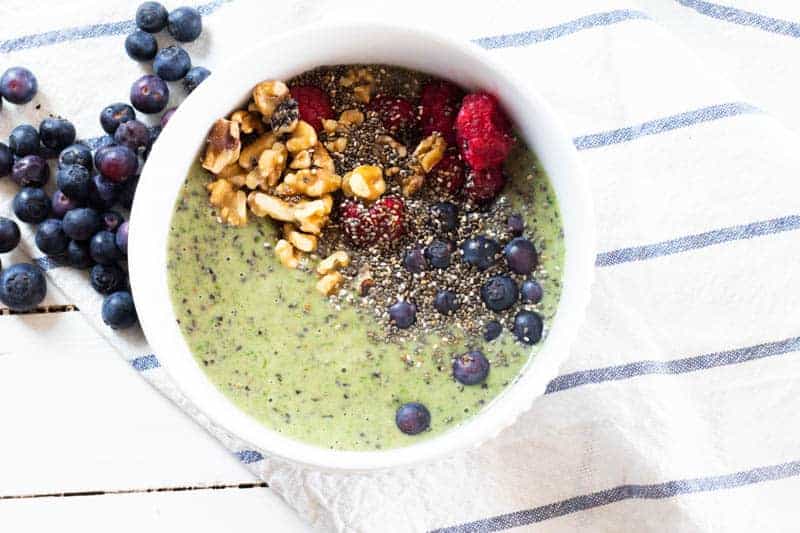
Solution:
(362, 253)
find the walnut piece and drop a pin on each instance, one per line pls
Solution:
(330, 283)
(430, 151)
(362, 81)
(267, 95)
(270, 166)
(390, 141)
(337, 145)
(232, 203)
(351, 117)
(409, 185)
(223, 147)
(249, 122)
(286, 254)
(250, 153)
(302, 241)
(303, 137)
(309, 215)
(333, 262)
(364, 182)
(312, 182)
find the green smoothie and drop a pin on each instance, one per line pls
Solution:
(321, 371)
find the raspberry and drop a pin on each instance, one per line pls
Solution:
(483, 131)
(314, 105)
(484, 185)
(440, 101)
(354, 223)
(383, 222)
(448, 174)
(396, 114)
(389, 216)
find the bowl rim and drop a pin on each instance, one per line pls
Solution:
(395, 44)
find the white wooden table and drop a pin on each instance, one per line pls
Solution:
(86, 444)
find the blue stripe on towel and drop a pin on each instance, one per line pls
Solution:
(661, 125)
(655, 491)
(145, 363)
(700, 240)
(525, 38)
(744, 18)
(119, 27)
(675, 366)
(249, 456)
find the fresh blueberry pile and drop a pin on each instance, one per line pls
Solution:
(80, 224)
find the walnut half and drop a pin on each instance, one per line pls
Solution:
(223, 147)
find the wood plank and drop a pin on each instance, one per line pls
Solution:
(231, 509)
(77, 417)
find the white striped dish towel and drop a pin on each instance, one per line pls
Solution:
(678, 407)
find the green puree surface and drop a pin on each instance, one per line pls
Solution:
(288, 357)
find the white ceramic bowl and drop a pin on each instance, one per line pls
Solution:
(281, 58)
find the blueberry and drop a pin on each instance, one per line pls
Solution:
(521, 255)
(56, 133)
(149, 94)
(74, 181)
(155, 131)
(444, 216)
(122, 238)
(50, 237)
(438, 253)
(499, 293)
(118, 310)
(104, 193)
(195, 77)
(80, 224)
(516, 225)
(172, 63)
(111, 221)
(60, 203)
(492, 331)
(106, 279)
(117, 163)
(480, 252)
(18, 85)
(141, 46)
(167, 115)
(132, 134)
(22, 287)
(151, 17)
(127, 191)
(6, 160)
(30, 171)
(103, 248)
(31, 205)
(445, 302)
(76, 154)
(78, 255)
(531, 291)
(412, 418)
(185, 24)
(105, 140)
(24, 140)
(403, 314)
(528, 327)
(414, 260)
(471, 368)
(9, 235)
(114, 115)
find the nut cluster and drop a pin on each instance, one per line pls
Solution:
(268, 162)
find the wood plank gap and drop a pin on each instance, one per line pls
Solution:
(135, 491)
(41, 310)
